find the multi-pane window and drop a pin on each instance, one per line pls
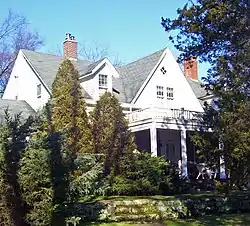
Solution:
(160, 92)
(170, 93)
(38, 90)
(163, 70)
(103, 81)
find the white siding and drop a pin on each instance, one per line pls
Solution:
(23, 84)
(91, 83)
(184, 97)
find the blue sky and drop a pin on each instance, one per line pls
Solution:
(129, 28)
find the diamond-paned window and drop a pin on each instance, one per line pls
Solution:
(163, 70)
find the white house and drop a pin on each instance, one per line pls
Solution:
(161, 102)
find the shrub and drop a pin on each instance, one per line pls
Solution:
(222, 186)
(145, 175)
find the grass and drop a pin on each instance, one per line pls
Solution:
(224, 220)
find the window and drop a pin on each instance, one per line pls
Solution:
(38, 90)
(103, 81)
(163, 70)
(170, 93)
(159, 92)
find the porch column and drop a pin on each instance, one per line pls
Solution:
(153, 137)
(184, 171)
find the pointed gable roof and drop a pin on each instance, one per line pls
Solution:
(134, 74)
(47, 65)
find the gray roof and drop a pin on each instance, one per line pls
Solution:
(92, 66)
(15, 107)
(46, 65)
(134, 74)
(198, 90)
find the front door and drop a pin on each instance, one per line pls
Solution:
(169, 152)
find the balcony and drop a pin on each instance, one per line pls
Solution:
(164, 114)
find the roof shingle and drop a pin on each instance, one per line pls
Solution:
(15, 107)
(134, 74)
(47, 66)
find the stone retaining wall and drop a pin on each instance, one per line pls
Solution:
(161, 209)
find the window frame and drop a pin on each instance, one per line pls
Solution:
(170, 93)
(103, 81)
(39, 90)
(163, 70)
(159, 92)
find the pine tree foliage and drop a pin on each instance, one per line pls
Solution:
(69, 109)
(90, 183)
(110, 132)
(13, 143)
(81, 170)
(210, 28)
(36, 180)
(218, 32)
(5, 211)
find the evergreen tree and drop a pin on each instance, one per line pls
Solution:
(218, 32)
(44, 174)
(110, 132)
(77, 170)
(35, 176)
(69, 109)
(36, 182)
(13, 143)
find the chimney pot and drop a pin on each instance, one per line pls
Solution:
(70, 47)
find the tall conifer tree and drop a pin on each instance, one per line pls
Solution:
(110, 132)
(218, 32)
(69, 109)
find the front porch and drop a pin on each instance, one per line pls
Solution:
(174, 145)
(167, 132)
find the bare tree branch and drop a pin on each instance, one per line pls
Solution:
(56, 51)
(116, 61)
(14, 35)
(94, 53)
(97, 52)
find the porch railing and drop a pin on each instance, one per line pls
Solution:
(164, 114)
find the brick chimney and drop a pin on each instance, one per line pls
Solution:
(70, 47)
(191, 68)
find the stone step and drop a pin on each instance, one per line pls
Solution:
(137, 217)
(135, 209)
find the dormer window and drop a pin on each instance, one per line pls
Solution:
(163, 70)
(38, 90)
(103, 81)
